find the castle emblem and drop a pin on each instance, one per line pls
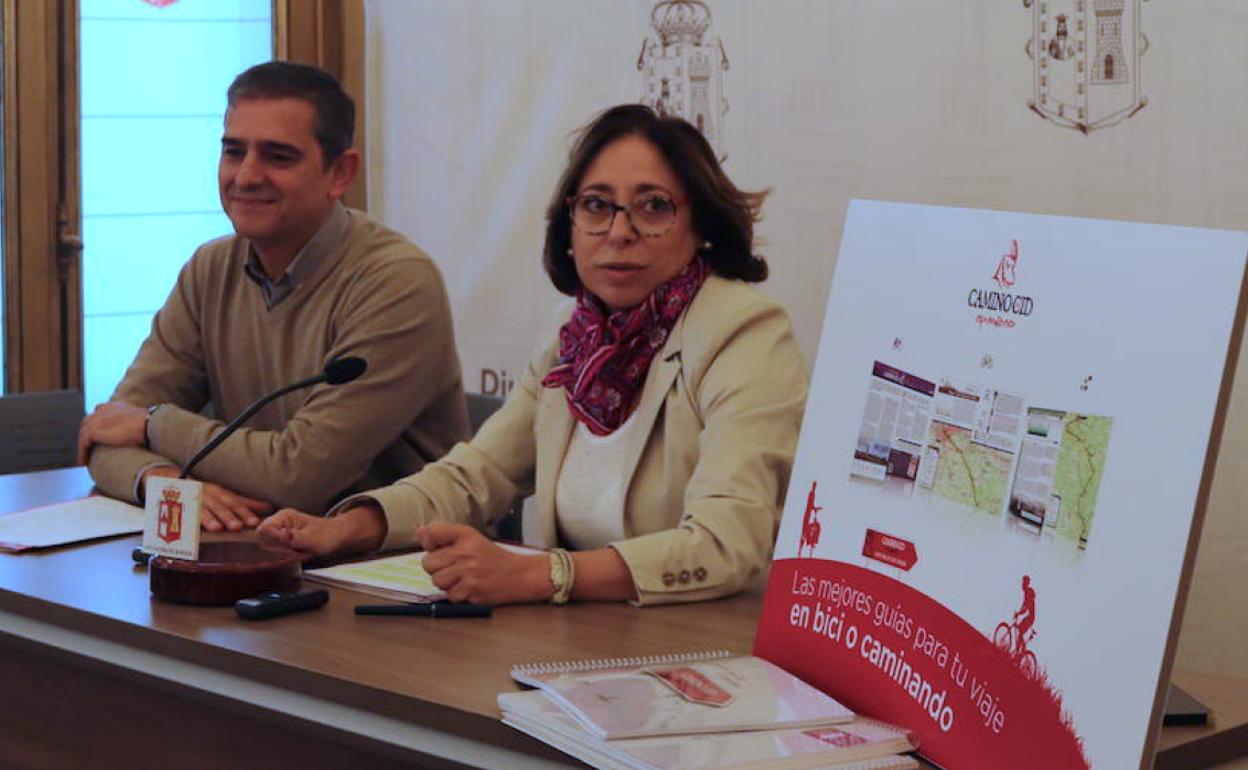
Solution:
(169, 524)
(1086, 61)
(683, 70)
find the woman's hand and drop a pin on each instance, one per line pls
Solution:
(471, 568)
(362, 528)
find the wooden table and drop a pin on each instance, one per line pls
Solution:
(96, 673)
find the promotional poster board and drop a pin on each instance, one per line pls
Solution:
(1000, 479)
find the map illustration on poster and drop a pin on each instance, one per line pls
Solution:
(974, 449)
(990, 516)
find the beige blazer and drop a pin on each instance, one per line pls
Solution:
(713, 444)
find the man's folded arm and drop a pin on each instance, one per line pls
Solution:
(398, 319)
(116, 470)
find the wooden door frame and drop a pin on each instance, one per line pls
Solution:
(329, 34)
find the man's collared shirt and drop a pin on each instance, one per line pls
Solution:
(303, 265)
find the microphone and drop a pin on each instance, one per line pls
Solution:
(336, 372)
(341, 370)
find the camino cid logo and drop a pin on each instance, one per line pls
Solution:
(1001, 307)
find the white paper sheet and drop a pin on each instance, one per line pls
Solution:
(69, 522)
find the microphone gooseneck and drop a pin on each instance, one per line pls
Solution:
(336, 372)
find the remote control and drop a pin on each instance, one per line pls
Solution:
(275, 604)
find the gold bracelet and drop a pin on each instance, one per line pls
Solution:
(562, 575)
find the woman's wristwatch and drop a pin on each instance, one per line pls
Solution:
(562, 575)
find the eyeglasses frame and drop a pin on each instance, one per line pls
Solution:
(616, 208)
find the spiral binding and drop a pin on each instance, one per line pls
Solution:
(577, 666)
(881, 763)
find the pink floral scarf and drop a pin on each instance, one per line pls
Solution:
(604, 358)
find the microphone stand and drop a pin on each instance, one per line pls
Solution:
(336, 372)
(255, 406)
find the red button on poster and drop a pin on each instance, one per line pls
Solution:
(893, 551)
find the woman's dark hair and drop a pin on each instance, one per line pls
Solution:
(721, 213)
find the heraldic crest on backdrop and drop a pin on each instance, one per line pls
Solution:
(989, 514)
(683, 69)
(1086, 61)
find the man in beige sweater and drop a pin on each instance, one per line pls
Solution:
(302, 281)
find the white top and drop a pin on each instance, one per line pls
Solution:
(589, 498)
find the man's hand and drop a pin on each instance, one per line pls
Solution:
(362, 528)
(114, 423)
(219, 507)
(470, 568)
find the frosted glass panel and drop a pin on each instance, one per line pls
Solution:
(153, 97)
(228, 11)
(179, 176)
(111, 291)
(112, 341)
(165, 68)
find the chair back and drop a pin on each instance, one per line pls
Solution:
(480, 407)
(39, 431)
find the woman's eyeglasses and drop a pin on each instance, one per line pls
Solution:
(651, 214)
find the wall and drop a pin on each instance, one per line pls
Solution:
(471, 105)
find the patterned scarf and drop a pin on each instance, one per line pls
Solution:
(604, 358)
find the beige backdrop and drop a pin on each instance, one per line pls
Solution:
(909, 100)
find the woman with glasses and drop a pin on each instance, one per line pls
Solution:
(656, 430)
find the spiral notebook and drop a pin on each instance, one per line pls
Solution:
(701, 692)
(862, 744)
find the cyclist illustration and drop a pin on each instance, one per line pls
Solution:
(810, 523)
(1012, 638)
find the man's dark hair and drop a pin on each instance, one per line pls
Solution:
(722, 213)
(335, 112)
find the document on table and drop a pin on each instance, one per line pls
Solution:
(70, 522)
(401, 578)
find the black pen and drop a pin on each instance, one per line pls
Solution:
(427, 610)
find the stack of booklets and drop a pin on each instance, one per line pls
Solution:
(700, 711)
